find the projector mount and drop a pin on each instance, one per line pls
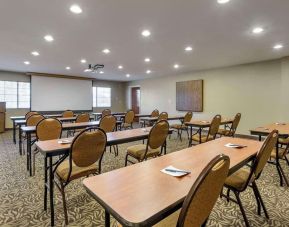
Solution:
(94, 68)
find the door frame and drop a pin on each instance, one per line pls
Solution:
(130, 96)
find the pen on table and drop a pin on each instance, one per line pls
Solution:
(177, 171)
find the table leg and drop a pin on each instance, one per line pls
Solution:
(260, 137)
(20, 140)
(191, 134)
(45, 183)
(14, 132)
(279, 168)
(200, 135)
(51, 185)
(107, 219)
(29, 165)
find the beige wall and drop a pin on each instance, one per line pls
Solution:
(253, 89)
(117, 88)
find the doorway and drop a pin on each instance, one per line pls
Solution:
(135, 100)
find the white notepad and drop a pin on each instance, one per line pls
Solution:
(64, 141)
(175, 174)
(231, 145)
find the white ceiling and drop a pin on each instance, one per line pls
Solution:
(220, 35)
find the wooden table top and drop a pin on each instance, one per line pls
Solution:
(283, 129)
(122, 114)
(206, 123)
(113, 113)
(177, 117)
(117, 137)
(62, 119)
(13, 118)
(141, 194)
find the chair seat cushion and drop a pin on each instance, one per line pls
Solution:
(224, 132)
(178, 126)
(170, 220)
(281, 153)
(138, 151)
(203, 138)
(283, 141)
(77, 172)
(238, 179)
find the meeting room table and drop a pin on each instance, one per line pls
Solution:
(141, 195)
(52, 148)
(17, 118)
(118, 115)
(201, 124)
(150, 120)
(283, 132)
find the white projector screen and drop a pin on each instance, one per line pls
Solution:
(58, 94)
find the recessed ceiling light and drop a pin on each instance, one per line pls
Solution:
(127, 75)
(83, 61)
(223, 1)
(67, 68)
(176, 66)
(188, 48)
(278, 46)
(147, 60)
(148, 72)
(106, 51)
(146, 33)
(49, 38)
(258, 30)
(87, 70)
(27, 63)
(35, 53)
(120, 67)
(75, 9)
(101, 72)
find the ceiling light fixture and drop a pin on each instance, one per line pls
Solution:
(147, 60)
(35, 53)
(176, 66)
(120, 67)
(188, 48)
(278, 46)
(75, 9)
(223, 1)
(258, 30)
(127, 75)
(106, 51)
(67, 68)
(27, 63)
(148, 72)
(49, 38)
(146, 33)
(101, 72)
(83, 61)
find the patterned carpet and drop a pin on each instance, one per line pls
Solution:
(21, 196)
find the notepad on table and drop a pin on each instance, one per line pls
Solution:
(64, 141)
(231, 145)
(280, 123)
(170, 170)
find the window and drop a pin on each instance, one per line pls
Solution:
(15, 94)
(102, 97)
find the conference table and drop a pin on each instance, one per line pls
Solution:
(141, 195)
(17, 118)
(29, 130)
(52, 148)
(150, 120)
(201, 124)
(283, 132)
(119, 115)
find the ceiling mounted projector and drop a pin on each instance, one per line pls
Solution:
(94, 68)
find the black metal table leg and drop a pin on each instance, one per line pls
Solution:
(107, 219)
(14, 132)
(51, 184)
(278, 165)
(200, 135)
(20, 140)
(29, 165)
(191, 135)
(45, 183)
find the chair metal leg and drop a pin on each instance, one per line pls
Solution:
(64, 203)
(287, 160)
(228, 194)
(241, 208)
(260, 199)
(45, 183)
(257, 200)
(126, 160)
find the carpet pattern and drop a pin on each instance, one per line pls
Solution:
(21, 202)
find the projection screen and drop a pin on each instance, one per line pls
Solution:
(58, 94)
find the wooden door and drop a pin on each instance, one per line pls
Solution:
(135, 100)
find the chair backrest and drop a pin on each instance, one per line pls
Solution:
(155, 113)
(129, 116)
(214, 127)
(188, 117)
(105, 112)
(235, 124)
(34, 119)
(28, 114)
(88, 147)
(67, 113)
(204, 193)
(163, 116)
(158, 134)
(264, 153)
(48, 129)
(108, 123)
(84, 117)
